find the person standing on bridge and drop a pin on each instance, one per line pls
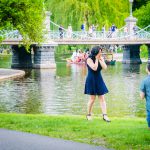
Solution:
(83, 27)
(90, 31)
(61, 31)
(69, 31)
(113, 28)
(145, 93)
(94, 85)
(103, 31)
(135, 30)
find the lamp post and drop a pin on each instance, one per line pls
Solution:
(131, 3)
(131, 51)
(130, 21)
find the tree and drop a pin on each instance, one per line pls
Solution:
(143, 15)
(98, 12)
(139, 3)
(26, 16)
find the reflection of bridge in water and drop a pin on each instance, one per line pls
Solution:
(44, 54)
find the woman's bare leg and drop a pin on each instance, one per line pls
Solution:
(103, 104)
(90, 103)
(103, 107)
(90, 106)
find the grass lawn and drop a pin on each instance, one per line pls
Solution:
(120, 134)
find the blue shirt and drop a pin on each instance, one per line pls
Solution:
(82, 27)
(113, 28)
(145, 88)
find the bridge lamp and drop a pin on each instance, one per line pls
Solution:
(131, 3)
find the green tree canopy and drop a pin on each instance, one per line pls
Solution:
(138, 3)
(98, 12)
(26, 16)
(143, 15)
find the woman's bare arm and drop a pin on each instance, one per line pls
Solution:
(92, 65)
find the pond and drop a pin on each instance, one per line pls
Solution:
(60, 90)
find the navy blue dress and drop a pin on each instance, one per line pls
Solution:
(94, 84)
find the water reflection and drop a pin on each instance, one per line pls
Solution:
(18, 96)
(131, 68)
(62, 71)
(60, 91)
(5, 61)
(69, 89)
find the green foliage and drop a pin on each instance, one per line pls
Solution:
(27, 16)
(143, 15)
(98, 12)
(138, 3)
(119, 50)
(144, 51)
(120, 134)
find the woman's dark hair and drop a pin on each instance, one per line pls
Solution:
(148, 67)
(95, 50)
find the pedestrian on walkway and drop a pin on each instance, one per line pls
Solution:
(61, 31)
(125, 31)
(90, 31)
(94, 85)
(113, 28)
(83, 27)
(103, 31)
(135, 29)
(145, 93)
(69, 31)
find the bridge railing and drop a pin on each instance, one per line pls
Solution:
(11, 34)
(120, 34)
(76, 35)
(141, 34)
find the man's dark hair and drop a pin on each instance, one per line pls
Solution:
(148, 67)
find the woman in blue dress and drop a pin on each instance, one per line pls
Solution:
(94, 84)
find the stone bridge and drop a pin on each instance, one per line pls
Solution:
(43, 55)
